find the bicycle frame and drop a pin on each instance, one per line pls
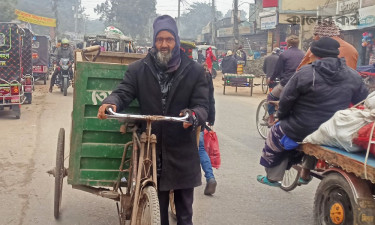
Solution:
(142, 170)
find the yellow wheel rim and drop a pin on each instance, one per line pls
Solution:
(337, 213)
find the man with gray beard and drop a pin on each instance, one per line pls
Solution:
(166, 82)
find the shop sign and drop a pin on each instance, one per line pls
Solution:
(366, 17)
(366, 3)
(225, 32)
(268, 22)
(206, 29)
(348, 6)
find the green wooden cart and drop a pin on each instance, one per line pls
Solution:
(102, 151)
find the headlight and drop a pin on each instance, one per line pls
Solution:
(65, 67)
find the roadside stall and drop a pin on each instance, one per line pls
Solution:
(11, 89)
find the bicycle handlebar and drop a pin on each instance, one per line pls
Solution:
(115, 115)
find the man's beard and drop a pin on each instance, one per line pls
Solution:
(163, 58)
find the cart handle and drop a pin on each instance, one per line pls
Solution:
(91, 49)
(115, 115)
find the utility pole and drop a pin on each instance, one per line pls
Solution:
(76, 18)
(213, 23)
(236, 32)
(178, 18)
(54, 9)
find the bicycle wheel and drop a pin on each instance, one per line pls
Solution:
(264, 85)
(290, 179)
(262, 119)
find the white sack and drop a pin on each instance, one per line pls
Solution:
(370, 101)
(341, 128)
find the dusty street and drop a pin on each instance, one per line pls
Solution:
(28, 148)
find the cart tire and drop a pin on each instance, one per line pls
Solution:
(262, 119)
(264, 85)
(65, 86)
(290, 179)
(334, 201)
(17, 111)
(148, 211)
(59, 172)
(172, 205)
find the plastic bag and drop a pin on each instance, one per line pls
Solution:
(340, 130)
(211, 144)
(363, 138)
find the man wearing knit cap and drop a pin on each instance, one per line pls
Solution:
(310, 98)
(166, 82)
(330, 29)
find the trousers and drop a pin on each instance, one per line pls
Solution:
(183, 199)
(205, 159)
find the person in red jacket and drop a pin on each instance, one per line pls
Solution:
(210, 57)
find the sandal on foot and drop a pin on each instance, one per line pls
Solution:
(264, 180)
(302, 181)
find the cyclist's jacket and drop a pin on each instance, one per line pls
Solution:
(315, 93)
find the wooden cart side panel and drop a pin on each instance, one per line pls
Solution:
(96, 146)
(346, 163)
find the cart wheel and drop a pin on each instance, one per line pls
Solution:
(59, 172)
(148, 211)
(334, 201)
(17, 111)
(264, 85)
(172, 205)
(290, 179)
(262, 119)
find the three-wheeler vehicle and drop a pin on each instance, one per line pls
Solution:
(41, 58)
(107, 157)
(11, 88)
(345, 194)
(27, 65)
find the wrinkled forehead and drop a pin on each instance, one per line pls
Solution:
(165, 34)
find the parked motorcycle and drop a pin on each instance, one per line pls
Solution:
(64, 76)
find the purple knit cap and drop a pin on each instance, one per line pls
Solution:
(167, 23)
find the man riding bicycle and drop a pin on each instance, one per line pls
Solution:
(311, 97)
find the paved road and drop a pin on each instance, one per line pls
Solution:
(27, 151)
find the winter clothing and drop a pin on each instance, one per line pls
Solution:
(167, 23)
(183, 200)
(229, 64)
(346, 50)
(178, 159)
(61, 54)
(325, 47)
(287, 64)
(270, 64)
(210, 57)
(211, 100)
(315, 93)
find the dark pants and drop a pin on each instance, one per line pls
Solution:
(183, 200)
(55, 73)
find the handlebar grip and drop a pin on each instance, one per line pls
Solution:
(91, 48)
(109, 110)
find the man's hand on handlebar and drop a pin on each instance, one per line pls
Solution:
(103, 109)
(193, 121)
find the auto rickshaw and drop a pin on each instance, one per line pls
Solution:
(11, 88)
(41, 58)
(27, 65)
(188, 47)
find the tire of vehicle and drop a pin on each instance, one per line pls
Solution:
(264, 85)
(59, 172)
(29, 97)
(45, 78)
(261, 119)
(17, 111)
(65, 86)
(334, 201)
(290, 179)
(172, 205)
(148, 211)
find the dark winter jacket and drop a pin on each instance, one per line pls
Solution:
(287, 64)
(311, 98)
(270, 64)
(64, 53)
(229, 64)
(176, 146)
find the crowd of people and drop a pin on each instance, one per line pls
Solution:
(310, 88)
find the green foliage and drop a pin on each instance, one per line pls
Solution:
(192, 22)
(7, 8)
(132, 17)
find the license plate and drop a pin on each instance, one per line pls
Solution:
(4, 91)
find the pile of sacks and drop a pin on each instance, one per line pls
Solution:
(255, 67)
(348, 129)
